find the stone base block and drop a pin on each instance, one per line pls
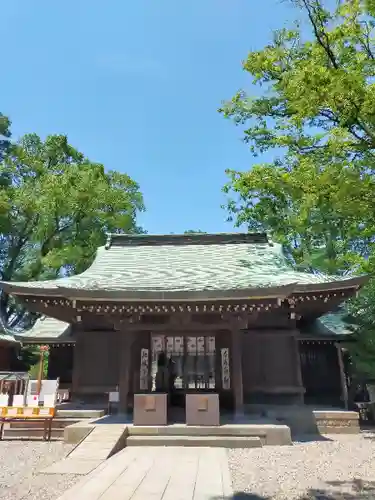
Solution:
(202, 409)
(150, 409)
(304, 419)
(337, 422)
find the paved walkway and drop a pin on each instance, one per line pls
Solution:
(152, 473)
(89, 454)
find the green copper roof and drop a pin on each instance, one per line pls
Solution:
(194, 263)
(6, 338)
(47, 329)
(328, 325)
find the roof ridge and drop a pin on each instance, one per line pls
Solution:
(185, 239)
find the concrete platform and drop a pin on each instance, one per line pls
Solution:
(35, 429)
(32, 431)
(200, 441)
(58, 423)
(266, 433)
(337, 421)
(305, 419)
(79, 413)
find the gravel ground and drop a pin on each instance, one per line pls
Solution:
(339, 467)
(20, 462)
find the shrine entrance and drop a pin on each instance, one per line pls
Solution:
(192, 360)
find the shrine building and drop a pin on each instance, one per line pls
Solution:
(230, 310)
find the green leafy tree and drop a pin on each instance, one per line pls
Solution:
(56, 207)
(4, 135)
(27, 360)
(316, 113)
(362, 318)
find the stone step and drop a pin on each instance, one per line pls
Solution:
(79, 413)
(37, 431)
(201, 430)
(57, 423)
(269, 434)
(200, 441)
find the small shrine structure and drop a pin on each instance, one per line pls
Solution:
(229, 310)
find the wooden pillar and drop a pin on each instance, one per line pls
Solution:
(298, 372)
(126, 343)
(344, 387)
(237, 372)
(78, 356)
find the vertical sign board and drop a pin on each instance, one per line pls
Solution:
(225, 370)
(143, 375)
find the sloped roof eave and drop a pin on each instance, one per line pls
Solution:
(153, 295)
(344, 284)
(46, 330)
(8, 340)
(196, 295)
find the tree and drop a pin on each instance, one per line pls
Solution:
(317, 114)
(56, 207)
(192, 231)
(322, 215)
(362, 318)
(4, 135)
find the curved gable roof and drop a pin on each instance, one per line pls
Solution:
(194, 263)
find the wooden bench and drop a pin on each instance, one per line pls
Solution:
(28, 414)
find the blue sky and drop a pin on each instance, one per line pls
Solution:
(136, 86)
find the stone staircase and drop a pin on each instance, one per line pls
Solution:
(64, 418)
(30, 429)
(224, 436)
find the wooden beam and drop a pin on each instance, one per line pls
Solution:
(171, 329)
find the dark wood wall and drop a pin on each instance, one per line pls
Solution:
(277, 367)
(60, 364)
(320, 373)
(271, 372)
(96, 362)
(5, 357)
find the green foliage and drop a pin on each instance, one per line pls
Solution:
(29, 357)
(362, 318)
(33, 362)
(316, 112)
(4, 135)
(192, 231)
(318, 91)
(56, 207)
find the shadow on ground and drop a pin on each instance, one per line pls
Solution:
(309, 438)
(336, 490)
(114, 419)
